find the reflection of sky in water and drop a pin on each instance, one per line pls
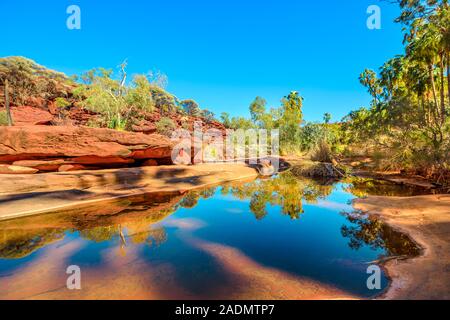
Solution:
(311, 246)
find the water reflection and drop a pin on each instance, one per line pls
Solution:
(98, 223)
(363, 187)
(196, 234)
(377, 235)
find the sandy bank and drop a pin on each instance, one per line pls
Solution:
(24, 195)
(427, 220)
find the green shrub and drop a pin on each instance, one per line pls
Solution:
(62, 103)
(3, 118)
(165, 126)
(117, 122)
(322, 152)
(139, 96)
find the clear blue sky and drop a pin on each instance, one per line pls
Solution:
(222, 53)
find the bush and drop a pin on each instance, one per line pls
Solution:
(322, 152)
(163, 100)
(165, 126)
(139, 95)
(3, 118)
(117, 122)
(62, 103)
(191, 108)
(30, 79)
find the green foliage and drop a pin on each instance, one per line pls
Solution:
(408, 120)
(163, 100)
(3, 118)
(29, 79)
(139, 96)
(225, 118)
(120, 104)
(207, 115)
(237, 123)
(117, 122)
(322, 152)
(62, 103)
(165, 126)
(191, 108)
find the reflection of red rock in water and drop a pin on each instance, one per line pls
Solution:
(50, 147)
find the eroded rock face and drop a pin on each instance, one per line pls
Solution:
(7, 169)
(50, 147)
(26, 115)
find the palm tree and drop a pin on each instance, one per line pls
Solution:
(425, 48)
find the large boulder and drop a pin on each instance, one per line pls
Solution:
(26, 115)
(79, 145)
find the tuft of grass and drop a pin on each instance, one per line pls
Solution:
(165, 126)
(322, 153)
(117, 122)
(3, 118)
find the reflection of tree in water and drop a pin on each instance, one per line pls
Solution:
(378, 235)
(137, 233)
(191, 199)
(152, 237)
(362, 187)
(17, 244)
(100, 234)
(100, 222)
(284, 190)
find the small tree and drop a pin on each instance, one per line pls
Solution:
(165, 126)
(191, 108)
(207, 115)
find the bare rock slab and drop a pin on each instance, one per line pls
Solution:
(80, 145)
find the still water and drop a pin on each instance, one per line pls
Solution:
(280, 238)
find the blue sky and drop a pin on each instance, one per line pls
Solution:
(221, 53)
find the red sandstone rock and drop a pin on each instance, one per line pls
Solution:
(94, 160)
(71, 167)
(26, 115)
(41, 165)
(150, 163)
(6, 169)
(85, 144)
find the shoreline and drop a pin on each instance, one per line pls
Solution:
(426, 220)
(46, 193)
